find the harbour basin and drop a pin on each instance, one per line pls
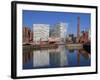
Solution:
(56, 57)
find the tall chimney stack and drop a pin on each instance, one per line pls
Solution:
(78, 27)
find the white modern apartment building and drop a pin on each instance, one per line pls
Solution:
(60, 31)
(63, 30)
(40, 32)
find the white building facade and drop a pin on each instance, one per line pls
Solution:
(40, 32)
(60, 30)
(63, 30)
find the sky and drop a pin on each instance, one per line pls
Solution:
(31, 17)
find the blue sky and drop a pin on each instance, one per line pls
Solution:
(31, 17)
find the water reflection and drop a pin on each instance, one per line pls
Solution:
(58, 57)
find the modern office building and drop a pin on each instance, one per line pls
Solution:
(41, 32)
(59, 31)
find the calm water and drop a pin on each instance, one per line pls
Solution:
(52, 58)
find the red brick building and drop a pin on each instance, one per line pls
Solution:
(84, 38)
(27, 35)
